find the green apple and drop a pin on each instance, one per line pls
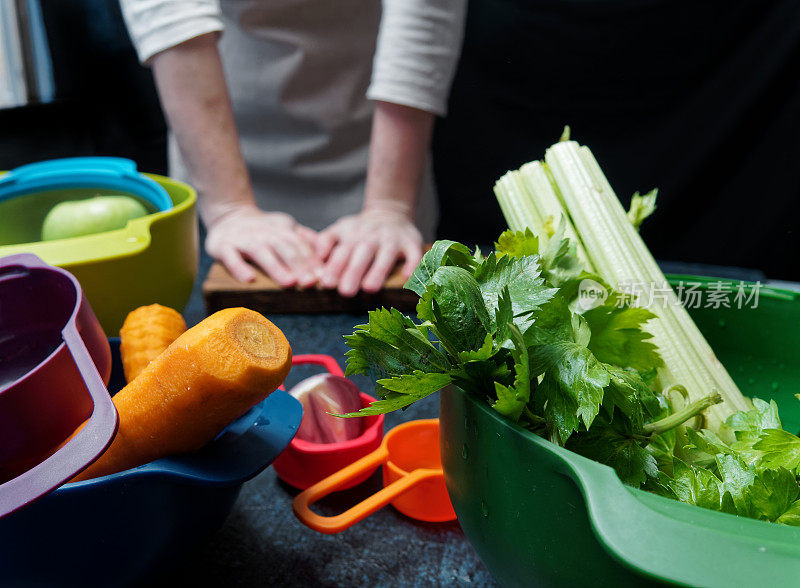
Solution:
(74, 218)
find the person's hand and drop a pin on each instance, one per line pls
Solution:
(274, 241)
(363, 248)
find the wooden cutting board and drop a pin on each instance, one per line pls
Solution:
(263, 295)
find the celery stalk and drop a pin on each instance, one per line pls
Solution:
(621, 257)
(518, 205)
(613, 249)
(542, 214)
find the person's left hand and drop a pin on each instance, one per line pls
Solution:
(362, 249)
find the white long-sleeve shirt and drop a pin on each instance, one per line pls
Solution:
(301, 74)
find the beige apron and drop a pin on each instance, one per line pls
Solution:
(297, 73)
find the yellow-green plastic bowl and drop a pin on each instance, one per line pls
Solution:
(153, 259)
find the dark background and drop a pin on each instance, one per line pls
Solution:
(106, 103)
(699, 98)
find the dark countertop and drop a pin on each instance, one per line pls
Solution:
(263, 544)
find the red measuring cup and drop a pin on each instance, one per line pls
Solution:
(55, 362)
(304, 463)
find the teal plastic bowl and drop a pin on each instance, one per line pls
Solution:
(538, 514)
(153, 259)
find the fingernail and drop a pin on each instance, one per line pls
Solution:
(347, 290)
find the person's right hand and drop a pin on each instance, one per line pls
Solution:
(274, 241)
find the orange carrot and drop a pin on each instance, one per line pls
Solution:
(145, 334)
(208, 377)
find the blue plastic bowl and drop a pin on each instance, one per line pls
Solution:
(121, 529)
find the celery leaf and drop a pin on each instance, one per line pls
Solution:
(401, 391)
(443, 253)
(416, 383)
(461, 316)
(791, 516)
(560, 262)
(700, 487)
(518, 243)
(618, 337)
(512, 400)
(559, 409)
(520, 277)
(772, 493)
(577, 372)
(779, 449)
(624, 392)
(642, 207)
(392, 344)
(613, 444)
(763, 416)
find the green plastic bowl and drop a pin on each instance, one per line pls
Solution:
(153, 259)
(538, 514)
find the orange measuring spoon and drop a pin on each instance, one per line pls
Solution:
(413, 481)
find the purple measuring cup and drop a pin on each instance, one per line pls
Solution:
(55, 362)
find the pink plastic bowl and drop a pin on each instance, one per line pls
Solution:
(54, 365)
(304, 463)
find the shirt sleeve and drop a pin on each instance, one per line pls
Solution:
(419, 43)
(156, 25)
